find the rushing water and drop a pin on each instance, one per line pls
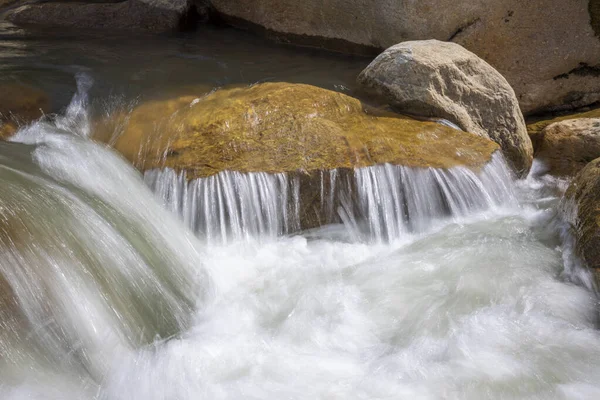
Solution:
(390, 200)
(106, 293)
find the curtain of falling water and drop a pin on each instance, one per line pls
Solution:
(391, 200)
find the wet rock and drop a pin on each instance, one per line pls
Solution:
(131, 15)
(301, 130)
(20, 104)
(568, 146)
(281, 127)
(581, 209)
(440, 79)
(550, 55)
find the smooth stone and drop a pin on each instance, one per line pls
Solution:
(566, 147)
(441, 79)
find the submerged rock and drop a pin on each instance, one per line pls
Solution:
(558, 41)
(438, 79)
(567, 146)
(281, 127)
(581, 209)
(131, 15)
(20, 104)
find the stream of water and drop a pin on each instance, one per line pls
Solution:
(115, 285)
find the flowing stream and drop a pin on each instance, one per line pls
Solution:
(115, 285)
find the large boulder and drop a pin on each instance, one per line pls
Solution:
(131, 15)
(282, 127)
(581, 209)
(566, 147)
(549, 53)
(442, 79)
(298, 129)
(20, 104)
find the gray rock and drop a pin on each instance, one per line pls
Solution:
(441, 79)
(130, 15)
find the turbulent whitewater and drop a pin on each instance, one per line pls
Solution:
(427, 284)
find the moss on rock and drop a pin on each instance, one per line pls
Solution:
(567, 146)
(282, 127)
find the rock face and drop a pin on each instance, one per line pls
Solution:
(132, 15)
(581, 208)
(440, 79)
(281, 127)
(550, 54)
(20, 104)
(568, 146)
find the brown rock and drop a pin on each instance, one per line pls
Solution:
(550, 53)
(568, 146)
(279, 127)
(537, 125)
(20, 104)
(440, 79)
(581, 208)
(294, 128)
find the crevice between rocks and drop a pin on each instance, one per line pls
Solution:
(462, 29)
(594, 10)
(583, 69)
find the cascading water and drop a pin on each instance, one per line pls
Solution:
(106, 295)
(390, 200)
(231, 204)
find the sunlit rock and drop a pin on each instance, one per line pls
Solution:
(437, 79)
(537, 125)
(281, 127)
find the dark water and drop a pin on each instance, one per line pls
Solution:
(142, 66)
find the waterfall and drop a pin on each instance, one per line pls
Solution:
(381, 202)
(106, 294)
(91, 266)
(230, 204)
